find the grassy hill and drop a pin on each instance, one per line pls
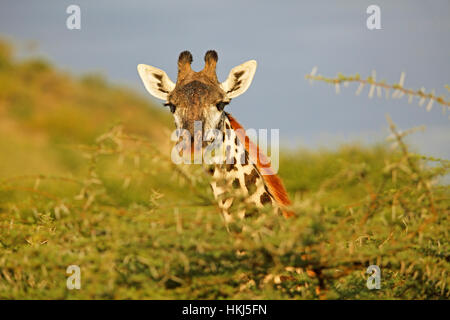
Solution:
(86, 179)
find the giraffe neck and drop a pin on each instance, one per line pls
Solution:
(237, 184)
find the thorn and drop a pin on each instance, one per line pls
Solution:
(422, 101)
(410, 98)
(394, 94)
(402, 79)
(360, 88)
(430, 104)
(312, 74)
(379, 92)
(371, 91)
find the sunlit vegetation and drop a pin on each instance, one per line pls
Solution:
(86, 179)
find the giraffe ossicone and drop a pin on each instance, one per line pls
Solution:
(241, 173)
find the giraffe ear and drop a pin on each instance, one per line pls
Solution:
(239, 79)
(156, 81)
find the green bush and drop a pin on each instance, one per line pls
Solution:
(77, 188)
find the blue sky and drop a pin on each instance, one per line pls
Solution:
(287, 39)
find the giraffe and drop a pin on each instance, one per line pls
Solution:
(246, 175)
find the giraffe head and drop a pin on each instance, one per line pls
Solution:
(197, 96)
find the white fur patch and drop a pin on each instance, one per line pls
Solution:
(239, 79)
(212, 118)
(156, 81)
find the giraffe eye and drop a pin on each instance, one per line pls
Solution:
(171, 106)
(221, 105)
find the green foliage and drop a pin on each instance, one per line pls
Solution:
(79, 188)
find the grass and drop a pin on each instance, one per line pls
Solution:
(86, 179)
